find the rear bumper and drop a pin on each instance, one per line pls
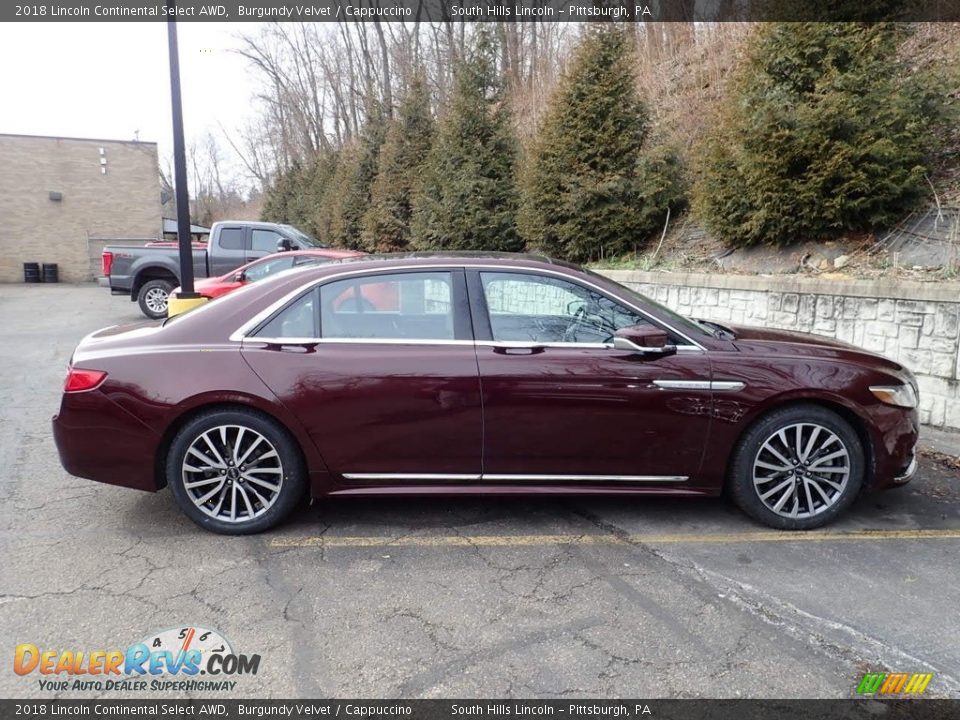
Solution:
(98, 440)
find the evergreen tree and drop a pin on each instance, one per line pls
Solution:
(348, 193)
(468, 197)
(386, 224)
(317, 211)
(824, 132)
(282, 199)
(592, 186)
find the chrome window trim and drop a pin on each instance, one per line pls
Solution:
(239, 334)
(404, 341)
(352, 341)
(495, 477)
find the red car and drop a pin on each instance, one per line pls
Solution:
(491, 374)
(257, 270)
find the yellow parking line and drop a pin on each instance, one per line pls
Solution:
(334, 541)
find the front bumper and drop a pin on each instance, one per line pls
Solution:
(910, 471)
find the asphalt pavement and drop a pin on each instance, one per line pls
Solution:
(510, 597)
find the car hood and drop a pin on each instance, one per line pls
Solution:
(786, 343)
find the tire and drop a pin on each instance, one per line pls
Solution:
(828, 470)
(265, 450)
(153, 297)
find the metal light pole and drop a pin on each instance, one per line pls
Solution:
(180, 166)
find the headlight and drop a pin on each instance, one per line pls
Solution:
(900, 395)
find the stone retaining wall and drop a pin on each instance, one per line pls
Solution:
(917, 324)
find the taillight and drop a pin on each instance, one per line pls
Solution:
(79, 380)
(107, 260)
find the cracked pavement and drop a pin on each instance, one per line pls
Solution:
(87, 566)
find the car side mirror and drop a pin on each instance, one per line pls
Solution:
(240, 277)
(643, 339)
(283, 245)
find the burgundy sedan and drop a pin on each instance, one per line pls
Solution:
(492, 374)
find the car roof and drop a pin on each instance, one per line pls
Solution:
(459, 258)
(323, 252)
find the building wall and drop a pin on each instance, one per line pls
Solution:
(123, 203)
(916, 324)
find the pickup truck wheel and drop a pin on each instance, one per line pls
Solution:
(153, 298)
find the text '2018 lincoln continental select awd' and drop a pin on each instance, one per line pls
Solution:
(489, 374)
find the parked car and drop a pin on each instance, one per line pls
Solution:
(266, 267)
(148, 273)
(494, 374)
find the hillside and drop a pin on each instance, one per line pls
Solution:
(684, 91)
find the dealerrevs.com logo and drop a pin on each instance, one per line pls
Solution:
(170, 660)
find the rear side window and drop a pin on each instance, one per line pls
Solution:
(298, 320)
(402, 306)
(231, 238)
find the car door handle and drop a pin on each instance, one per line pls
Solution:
(518, 348)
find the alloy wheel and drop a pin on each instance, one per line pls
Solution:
(801, 470)
(156, 300)
(232, 473)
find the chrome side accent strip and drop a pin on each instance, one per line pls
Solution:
(682, 384)
(909, 472)
(240, 333)
(716, 385)
(727, 385)
(376, 477)
(585, 478)
(433, 477)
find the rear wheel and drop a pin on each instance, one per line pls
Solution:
(153, 298)
(797, 468)
(235, 472)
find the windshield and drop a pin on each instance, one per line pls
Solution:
(678, 321)
(303, 237)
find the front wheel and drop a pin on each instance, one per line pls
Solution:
(798, 468)
(235, 472)
(153, 298)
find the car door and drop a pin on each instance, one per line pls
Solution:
(562, 405)
(230, 251)
(389, 392)
(263, 242)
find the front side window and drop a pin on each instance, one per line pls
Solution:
(540, 308)
(402, 306)
(266, 268)
(264, 240)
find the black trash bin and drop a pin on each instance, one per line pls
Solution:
(50, 273)
(31, 272)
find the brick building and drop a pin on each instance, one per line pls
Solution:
(63, 199)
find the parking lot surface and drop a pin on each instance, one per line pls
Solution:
(468, 597)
